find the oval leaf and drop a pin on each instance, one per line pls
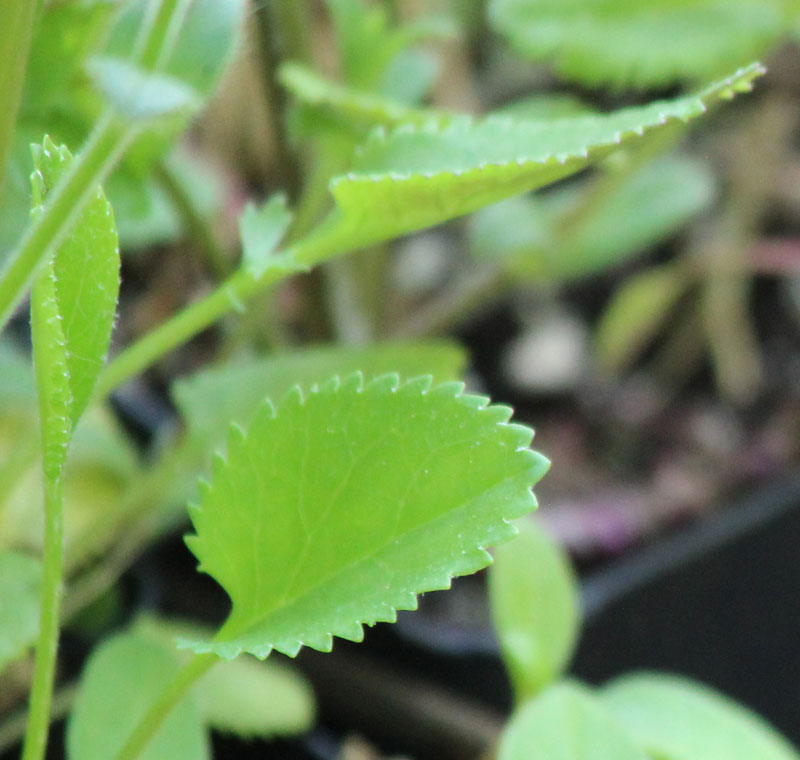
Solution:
(674, 718)
(122, 678)
(648, 44)
(20, 582)
(335, 510)
(567, 722)
(534, 603)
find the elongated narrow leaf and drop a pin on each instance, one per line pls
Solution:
(261, 230)
(645, 44)
(20, 581)
(77, 291)
(567, 722)
(674, 718)
(122, 678)
(534, 603)
(414, 178)
(244, 696)
(336, 509)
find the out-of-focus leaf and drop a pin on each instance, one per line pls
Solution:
(20, 582)
(121, 679)
(673, 718)
(335, 510)
(566, 722)
(534, 602)
(261, 230)
(635, 315)
(644, 44)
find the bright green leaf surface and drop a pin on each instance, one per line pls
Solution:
(651, 204)
(645, 44)
(534, 602)
(244, 696)
(414, 178)
(636, 314)
(20, 581)
(674, 718)
(122, 678)
(82, 283)
(335, 510)
(567, 722)
(261, 230)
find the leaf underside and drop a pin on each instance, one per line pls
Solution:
(641, 44)
(335, 510)
(418, 176)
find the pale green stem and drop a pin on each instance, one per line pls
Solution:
(12, 730)
(161, 708)
(16, 31)
(47, 645)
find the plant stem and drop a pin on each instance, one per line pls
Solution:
(103, 149)
(45, 663)
(12, 730)
(16, 31)
(161, 708)
(195, 224)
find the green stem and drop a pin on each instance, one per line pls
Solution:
(159, 32)
(65, 203)
(194, 223)
(47, 645)
(161, 708)
(16, 31)
(12, 730)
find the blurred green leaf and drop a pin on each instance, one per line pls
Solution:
(122, 678)
(534, 601)
(261, 231)
(335, 510)
(642, 44)
(636, 314)
(566, 722)
(674, 718)
(20, 582)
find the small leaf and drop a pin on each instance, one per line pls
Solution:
(674, 718)
(636, 314)
(534, 602)
(245, 697)
(20, 581)
(335, 510)
(137, 94)
(414, 178)
(566, 722)
(121, 679)
(649, 44)
(78, 289)
(261, 230)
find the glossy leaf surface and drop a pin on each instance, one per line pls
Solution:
(416, 177)
(534, 602)
(120, 681)
(20, 583)
(566, 722)
(644, 44)
(334, 510)
(673, 718)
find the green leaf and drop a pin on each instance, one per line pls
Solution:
(651, 204)
(20, 583)
(210, 400)
(139, 95)
(335, 510)
(244, 696)
(650, 44)
(75, 295)
(636, 314)
(674, 718)
(121, 679)
(414, 178)
(534, 601)
(567, 722)
(261, 230)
